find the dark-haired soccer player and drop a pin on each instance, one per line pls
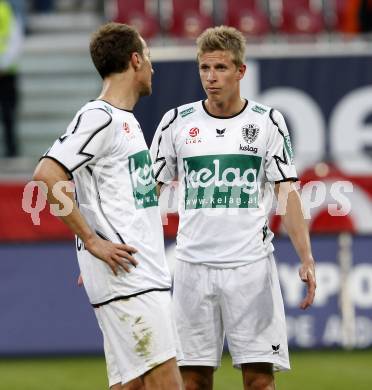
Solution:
(116, 217)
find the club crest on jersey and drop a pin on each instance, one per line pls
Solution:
(220, 132)
(250, 132)
(193, 136)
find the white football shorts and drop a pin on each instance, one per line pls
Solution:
(245, 302)
(139, 334)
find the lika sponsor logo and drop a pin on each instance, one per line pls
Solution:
(193, 138)
(194, 132)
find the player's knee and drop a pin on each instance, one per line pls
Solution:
(164, 376)
(166, 383)
(135, 384)
(197, 384)
(258, 377)
(197, 380)
(260, 382)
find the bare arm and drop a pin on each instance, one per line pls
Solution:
(115, 255)
(290, 207)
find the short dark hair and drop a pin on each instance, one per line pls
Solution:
(111, 47)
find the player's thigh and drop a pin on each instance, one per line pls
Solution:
(113, 372)
(197, 377)
(253, 314)
(258, 376)
(139, 334)
(164, 376)
(197, 314)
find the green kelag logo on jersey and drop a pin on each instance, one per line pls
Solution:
(215, 181)
(258, 109)
(288, 147)
(188, 111)
(142, 178)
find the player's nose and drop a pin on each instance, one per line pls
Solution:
(211, 76)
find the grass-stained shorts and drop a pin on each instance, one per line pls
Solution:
(138, 333)
(245, 303)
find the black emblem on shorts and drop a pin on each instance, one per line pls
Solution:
(220, 132)
(250, 132)
(275, 349)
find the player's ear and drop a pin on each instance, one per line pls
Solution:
(241, 71)
(136, 60)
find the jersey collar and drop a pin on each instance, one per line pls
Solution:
(224, 117)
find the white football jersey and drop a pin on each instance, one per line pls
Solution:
(105, 153)
(226, 168)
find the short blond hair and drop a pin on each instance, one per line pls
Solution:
(222, 38)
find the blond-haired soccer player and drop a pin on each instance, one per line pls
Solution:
(116, 217)
(230, 154)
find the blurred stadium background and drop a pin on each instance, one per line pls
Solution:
(312, 59)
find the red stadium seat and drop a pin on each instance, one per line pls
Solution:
(188, 21)
(247, 16)
(347, 16)
(134, 12)
(290, 4)
(298, 18)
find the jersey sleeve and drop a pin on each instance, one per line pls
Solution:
(162, 149)
(87, 139)
(279, 164)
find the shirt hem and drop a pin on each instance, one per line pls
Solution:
(119, 297)
(226, 263)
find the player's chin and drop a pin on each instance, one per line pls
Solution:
(216, 97)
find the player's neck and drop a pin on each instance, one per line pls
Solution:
(120, 92)
(225, 108)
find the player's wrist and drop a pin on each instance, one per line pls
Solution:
(89, 239)
(309, 260)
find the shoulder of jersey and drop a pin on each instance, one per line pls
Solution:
(97, 107)
(258, 108)
(180, 113)
(188, 110)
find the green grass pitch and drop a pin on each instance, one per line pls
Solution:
(311, 370)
